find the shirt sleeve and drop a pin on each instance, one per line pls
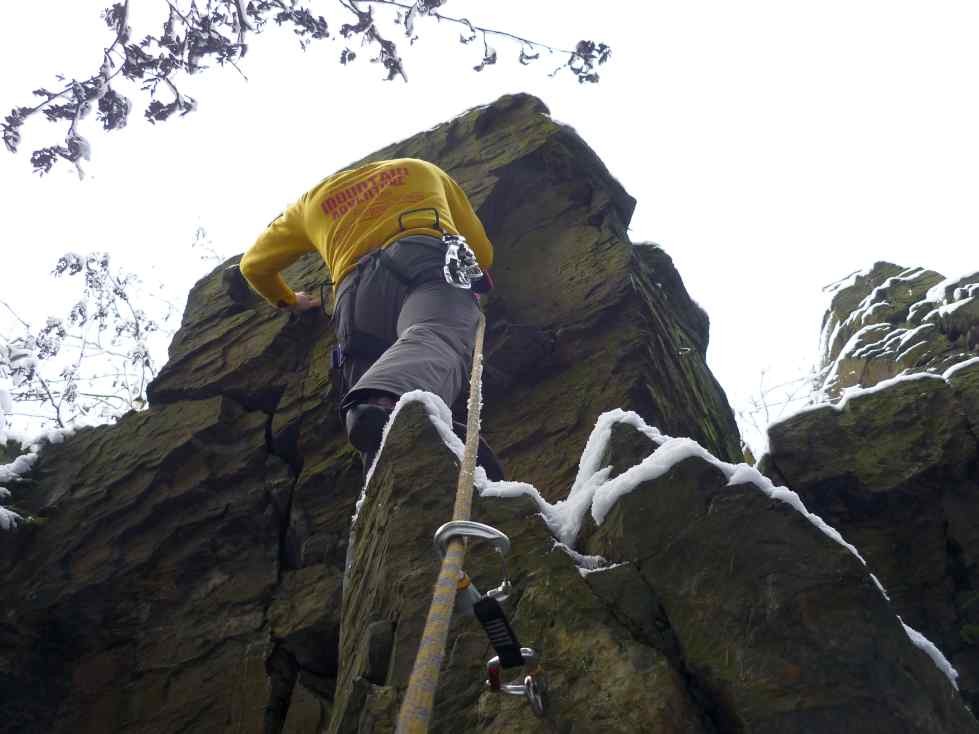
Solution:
(281, 244)
(468, 223)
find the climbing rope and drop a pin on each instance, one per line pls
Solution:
(416, 710)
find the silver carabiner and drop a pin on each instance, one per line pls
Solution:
(472, 529)
(461, 267)
(531, 686)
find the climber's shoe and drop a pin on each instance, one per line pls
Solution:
(365, 425)
(485, 457)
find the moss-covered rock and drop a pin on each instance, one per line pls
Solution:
(241, 463)
(894, 469)
(150, 577)
(777, 626)
(891, 320)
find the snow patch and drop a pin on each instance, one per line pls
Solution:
(16, 469)
(587, 564)
(912, 333)
(851, 393)
(585, 572)
(950, 308)
(441, 418)
(880, 587)
(850, 280)
(593, 491)
(9, 519)
(958, 367)
(929, 648)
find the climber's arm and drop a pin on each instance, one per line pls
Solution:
(282, 243)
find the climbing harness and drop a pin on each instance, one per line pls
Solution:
(450, 541)
(461, 267)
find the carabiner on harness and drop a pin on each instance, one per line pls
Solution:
(461, 267)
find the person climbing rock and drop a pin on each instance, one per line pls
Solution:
(384, 230)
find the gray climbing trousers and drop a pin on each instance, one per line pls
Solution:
(401, 327)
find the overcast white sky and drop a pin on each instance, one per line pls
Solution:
(773, 147)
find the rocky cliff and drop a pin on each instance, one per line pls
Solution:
(891, 320)
(184, 568)
(892, 463)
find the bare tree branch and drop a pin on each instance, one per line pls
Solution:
(193, 36)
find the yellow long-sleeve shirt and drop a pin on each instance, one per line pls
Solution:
(353, 212)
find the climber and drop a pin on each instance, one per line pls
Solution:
(383, 230)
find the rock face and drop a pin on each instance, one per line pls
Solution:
(707, 603)
(182, 570)
(891, 320)
(894, 468)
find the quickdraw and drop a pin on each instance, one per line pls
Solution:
(488, 611)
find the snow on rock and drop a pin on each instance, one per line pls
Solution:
(593, 491)
(952, 289)
(960, 366)
(880, 587)
(851, 393)
(930, 649)
(440, 416)
(855, 392)
(9, 519)
(584, 572)
(586, 564)
(15, 470)
(847, 281)
(912, 320)
(908, 335)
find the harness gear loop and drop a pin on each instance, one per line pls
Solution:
(437, 225)
(461, 267)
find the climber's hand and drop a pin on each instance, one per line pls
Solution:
(304, 302)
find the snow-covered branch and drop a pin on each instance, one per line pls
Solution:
(93, 364)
